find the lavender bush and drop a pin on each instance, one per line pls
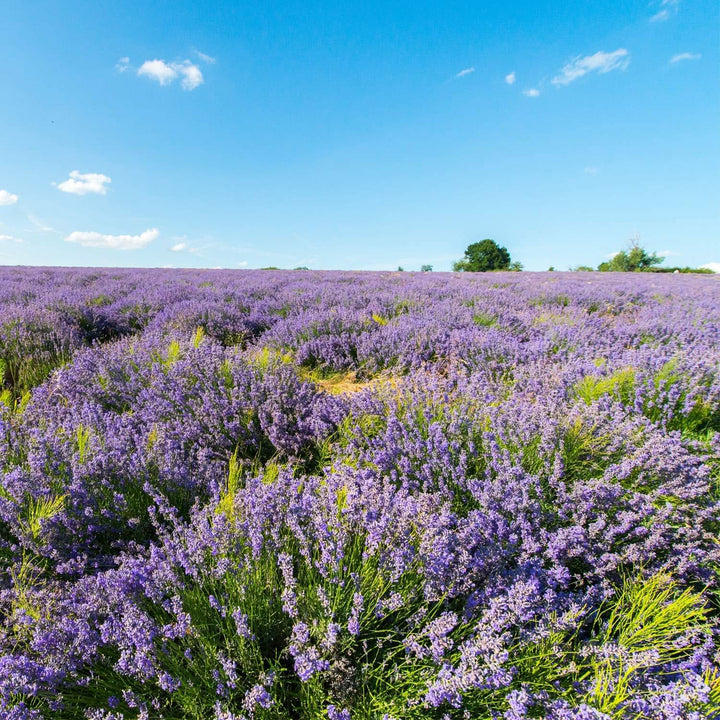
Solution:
(349, 496)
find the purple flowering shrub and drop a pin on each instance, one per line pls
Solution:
(516, 515)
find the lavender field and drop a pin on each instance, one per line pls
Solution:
(359, 496)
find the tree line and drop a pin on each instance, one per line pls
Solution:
(486, 256)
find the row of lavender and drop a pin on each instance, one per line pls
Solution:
(514, 514)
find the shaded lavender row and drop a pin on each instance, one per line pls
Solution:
(520, 445)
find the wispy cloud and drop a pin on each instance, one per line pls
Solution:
(165, 73)
(84, 183)
(601, 62)
(466, 71)
(680, 57)
(7, 198)
(123, 64)
(205, 58)
(39, 224)
(591, 170)
(115, 242)
(668, 8)
(11, 238)
(184, 246)
(242, 263)
(510, 78)
(531, 92)
(667, 253)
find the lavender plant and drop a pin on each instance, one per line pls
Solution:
(506, 503)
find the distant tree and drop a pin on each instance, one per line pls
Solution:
(634, 259)
(551, 269)
(401, 268)
(484, 256)
(426, 268)
(516, 266)
(301, 267)
(582, 268)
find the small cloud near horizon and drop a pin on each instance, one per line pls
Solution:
(84, 184)
(466, 71)
(531, 92)
(11, 238)
(7, 198)
(680, 57)
(714, 266)
(115, 242)
(184, 246)
(667, 253)
(600, 62)
(510, 78)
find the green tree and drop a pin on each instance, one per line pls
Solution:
(484, 256)
(634, 259)
(426, 268)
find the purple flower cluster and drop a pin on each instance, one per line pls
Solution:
(194, 522)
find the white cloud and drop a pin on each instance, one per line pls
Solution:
(166, 73)
(600, 62)
(84, 183)
(684, 56)
(10, 238)
(667, 8)
(714, 266)
(122, 64)
(242, 263)
(466, 71)
(205, 58)
(510, 78)
(192, 77)
(531, 92)
(667, 253)
(184, 246)
(7, 198)
(159, 71)
(591, 170)
(116, 242)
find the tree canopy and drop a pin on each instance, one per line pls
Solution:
(484, 256)
(634, 259)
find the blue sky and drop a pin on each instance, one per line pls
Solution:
(394, 133)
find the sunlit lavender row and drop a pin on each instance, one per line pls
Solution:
(306, 495)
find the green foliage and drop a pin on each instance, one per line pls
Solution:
(647, 623)
(426, 268)
(39, 510)
(484, 256)
(621, 384)
(634, 259)
(484, 319)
